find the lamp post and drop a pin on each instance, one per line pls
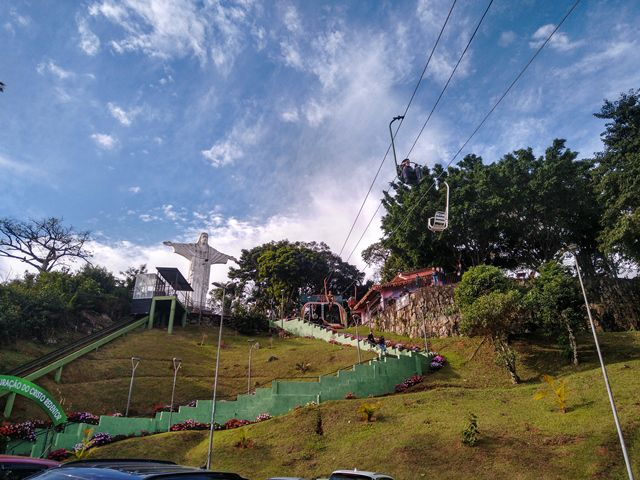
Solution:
(253, 345)
(625, 454)
(282, 308)
(135, 361)
(357, 340)
(177, 363)
(215, 378)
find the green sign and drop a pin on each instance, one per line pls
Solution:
(37, 394)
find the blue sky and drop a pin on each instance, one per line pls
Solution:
(148, 120)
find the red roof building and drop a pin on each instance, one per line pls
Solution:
(381, 296)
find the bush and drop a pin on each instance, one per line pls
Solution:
(83, 417)
(409, 382)
(367, 411)
(59, 455)
(189, 425)
(471, 432)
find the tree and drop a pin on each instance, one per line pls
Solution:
(43, 244)
(618, 176)
(555, 305)
(490, 306)
(277, 273)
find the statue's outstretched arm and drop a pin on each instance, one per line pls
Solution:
(218, 257)
(187, 250)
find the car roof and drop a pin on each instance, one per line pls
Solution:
(28, 460)
(362, 472)
(135, 468)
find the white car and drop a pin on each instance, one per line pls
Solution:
(358, 475)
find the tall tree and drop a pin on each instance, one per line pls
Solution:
(618, 175)
(278, 272)
(43, 244)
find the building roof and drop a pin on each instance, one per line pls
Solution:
(174, 278)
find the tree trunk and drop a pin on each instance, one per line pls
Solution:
(507, 358)
(572, 343)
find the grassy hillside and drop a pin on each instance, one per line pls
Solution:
(417, 434)
(99, 382)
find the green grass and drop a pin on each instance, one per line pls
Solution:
(99, 381)
(418, 434)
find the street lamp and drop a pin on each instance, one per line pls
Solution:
(177, 363)
(357, 340)
(224, 287)
(571, 250)
(251, 347)
(135, 361)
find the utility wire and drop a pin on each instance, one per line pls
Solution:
(482, 122)
(398, 128)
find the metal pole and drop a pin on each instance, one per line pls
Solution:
(604, 372)
(424, 327)
(358, 342)
(135, 361)
(393, 144)
(177, 363)
(249, 370)
(215, 384)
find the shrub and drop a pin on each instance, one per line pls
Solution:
(409, 382)
(189, 425)
(83, 417)
(19, 431)
(559, 390)
(303, 367)
(100, 439)
(235, 423)
(59, 455)
(471, 432)
(244, 442)
(367, 411)
(262, 417)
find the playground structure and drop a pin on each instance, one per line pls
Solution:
(308, 309)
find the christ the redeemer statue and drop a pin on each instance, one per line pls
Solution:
(201, 256)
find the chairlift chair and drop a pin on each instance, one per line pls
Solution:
(440, 221)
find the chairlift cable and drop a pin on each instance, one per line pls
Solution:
(399, 125)
(488, 114)
(453, 72)
(482, 122)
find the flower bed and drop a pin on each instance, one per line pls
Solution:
(189, 425)
(262, 417)
(409, 382)
(437, 362)
(19, 431)
(83, 417)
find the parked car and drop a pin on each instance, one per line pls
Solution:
(358, 475)
(131, 470)
(14, 467)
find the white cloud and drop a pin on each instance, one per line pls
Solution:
(291, 55)
(89, 41)
(560, 40)
(56, 70)
(17, 168)
(104, 141)
(210, 31)
(507, 38)
(291, 19)
(290, 115)
(135, 190)
(234, 146)
(223, 153)
(125, 118)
